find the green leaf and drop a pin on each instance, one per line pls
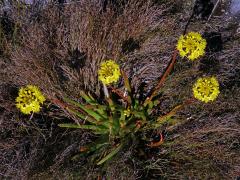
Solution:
(95, 146)
(140, 115)
(111, 104)
(92, 113)
(116, 123)
(90, 127)
(101, 109)
(156, 102)
(163, 120)
(127, 86)
(122, 118)
(150, 105)
(87, 98)
(110, 155)
(126, 82)
(83, 117)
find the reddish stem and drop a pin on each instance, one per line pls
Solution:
(156, 144)
(163, 78)
(119, 93)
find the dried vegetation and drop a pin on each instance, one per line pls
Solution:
(59, 48)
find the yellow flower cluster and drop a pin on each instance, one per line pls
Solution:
(109, 72)
(191, 45)
(29, 99)
(206, 89)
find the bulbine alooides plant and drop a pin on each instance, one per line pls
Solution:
(118, 121)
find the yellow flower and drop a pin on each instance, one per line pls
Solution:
(206, 89)
(191, 45)
(29, 99)
(127, 112)
(109, 72)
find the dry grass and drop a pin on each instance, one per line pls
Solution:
(82, 29)
(60, 49)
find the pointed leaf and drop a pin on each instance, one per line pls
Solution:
(140, 115)
(86, 97)
(116, 123)
(126, 82)
(92, 113)
(170, 114)
(156, 102)
(83, 117)
(110, 155)
(98, 129)
(78, 126)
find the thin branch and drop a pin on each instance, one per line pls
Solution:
(215, 7)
